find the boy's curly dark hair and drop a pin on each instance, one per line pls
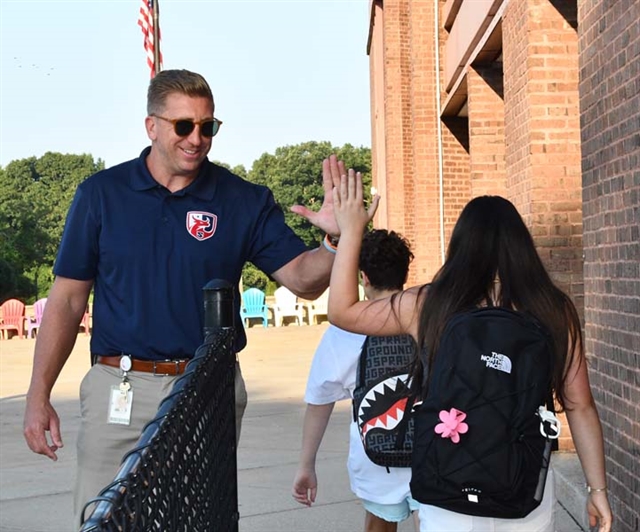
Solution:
(385, 257)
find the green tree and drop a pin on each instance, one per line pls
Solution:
(35, 194)
(239, 169)
(8, 281)
(294, 174)
(252, 277)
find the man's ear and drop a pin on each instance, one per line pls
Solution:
(150, 126)
(365, 279)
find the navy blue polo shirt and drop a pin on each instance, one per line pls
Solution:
(150, 252)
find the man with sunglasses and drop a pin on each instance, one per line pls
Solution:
(147, 235)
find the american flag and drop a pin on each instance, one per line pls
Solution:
(146, 23)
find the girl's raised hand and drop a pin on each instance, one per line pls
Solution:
(348, 204)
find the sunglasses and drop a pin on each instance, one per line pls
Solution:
(183, 126)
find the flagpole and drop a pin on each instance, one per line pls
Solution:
(156, 37)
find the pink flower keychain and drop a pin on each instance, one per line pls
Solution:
(452, 424)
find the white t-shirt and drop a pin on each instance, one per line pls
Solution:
(333, 378)
(542, 519)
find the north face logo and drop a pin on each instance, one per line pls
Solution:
(497, 361)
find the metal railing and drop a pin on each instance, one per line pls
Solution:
(182, 473)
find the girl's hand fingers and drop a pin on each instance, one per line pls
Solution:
(373, 207)
(352, 185)
(344, 188)
(341, 168)
(359, 192)
(335, 169)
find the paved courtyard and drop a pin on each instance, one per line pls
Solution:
(35, 494)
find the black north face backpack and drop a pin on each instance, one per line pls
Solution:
(480, 445)
(381, 403)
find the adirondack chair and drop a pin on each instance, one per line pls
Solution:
(287, 305)
(253, 306)
(85, 322)
(318, 307)
(34, 322)
(12, 313)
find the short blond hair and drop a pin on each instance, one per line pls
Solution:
(169, 82)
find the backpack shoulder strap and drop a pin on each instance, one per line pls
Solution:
(360, 375)
(362, 366)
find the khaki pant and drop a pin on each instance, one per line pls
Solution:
(101, 445)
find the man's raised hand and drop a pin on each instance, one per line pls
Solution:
(324, 219)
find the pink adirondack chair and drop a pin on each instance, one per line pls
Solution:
(12, 312)
(34, 322)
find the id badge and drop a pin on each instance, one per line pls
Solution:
(120, 406)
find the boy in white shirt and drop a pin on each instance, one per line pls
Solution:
(385, 494)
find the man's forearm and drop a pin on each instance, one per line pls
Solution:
(53, 347)
(57, 334)
(308, 274)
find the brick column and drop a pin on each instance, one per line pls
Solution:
(424, 190)
(457, 185)
(455, 152)
(406, 166)
(397, 118)
(542, 123)
(486, 130)
(378, 123)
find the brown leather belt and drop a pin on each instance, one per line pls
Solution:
(157, 367)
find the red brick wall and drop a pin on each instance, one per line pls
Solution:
(542, 131)
(457, 183)
(517, 111)
(542, 126)
(397, 110)
(376, 85)
(610, 102)
(456, 190)
(486, 130)
(410, 185)
(425, 219)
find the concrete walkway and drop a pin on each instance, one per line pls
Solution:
(35, 494)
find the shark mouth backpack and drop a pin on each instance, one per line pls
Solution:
(381, 401)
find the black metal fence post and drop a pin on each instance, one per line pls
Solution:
(218, 306)
(219, 314)
(181, 476)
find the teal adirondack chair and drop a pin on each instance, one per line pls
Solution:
(253, 306)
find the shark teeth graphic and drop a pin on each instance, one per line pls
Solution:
(384, 405)
(387, 421)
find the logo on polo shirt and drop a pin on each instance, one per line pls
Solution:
(201, 225)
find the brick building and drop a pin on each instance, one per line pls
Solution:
(538, 101)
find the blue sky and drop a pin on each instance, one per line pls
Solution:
(73, 74)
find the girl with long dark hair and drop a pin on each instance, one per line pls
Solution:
(491, 261)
